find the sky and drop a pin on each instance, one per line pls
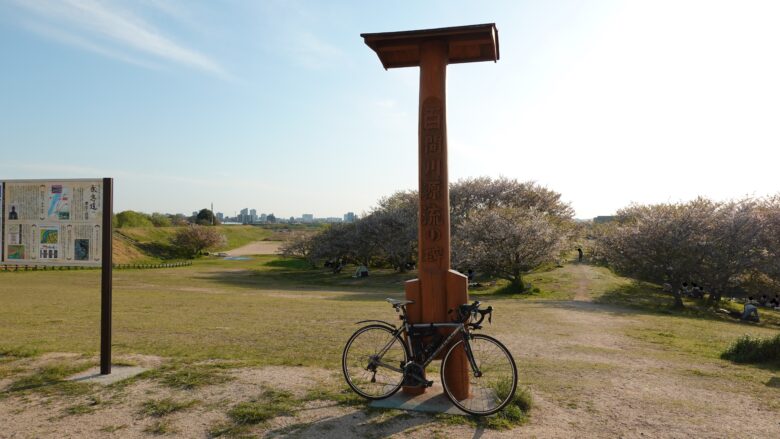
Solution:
(279, 105)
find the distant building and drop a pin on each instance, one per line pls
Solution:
(243, 216)
(349, 217)
(220, 216)
(263, 217)
(307, 218)
(253, 216)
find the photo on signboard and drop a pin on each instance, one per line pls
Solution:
(16, 252)
(50, 236)
(81, 249)
(12, 214)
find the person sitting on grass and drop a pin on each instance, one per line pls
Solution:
(750, 311)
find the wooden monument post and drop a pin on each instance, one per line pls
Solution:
(438, 288)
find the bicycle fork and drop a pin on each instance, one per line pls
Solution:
(470, 356)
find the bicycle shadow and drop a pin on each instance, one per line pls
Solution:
(375, 423)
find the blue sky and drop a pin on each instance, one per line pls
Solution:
(279, 106)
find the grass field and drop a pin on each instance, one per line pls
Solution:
(235, 235)
(590, 345)
(142, 245)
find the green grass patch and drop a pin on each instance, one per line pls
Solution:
(51, 377)
(187, 376)
(160, 427)
(228, 429)
(112, 428)
(273, 403)
(555, 283)
(514, 414)
(10, 353)
(155, 242)
(754, 350)
(270, 404)
(340, 395)
(162, 407)
(84, 408)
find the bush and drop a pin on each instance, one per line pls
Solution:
(130, 218)
(747, 349)
(193, 240)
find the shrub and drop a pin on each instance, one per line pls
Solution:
(193, 240)
(129, 218)
(747, 349)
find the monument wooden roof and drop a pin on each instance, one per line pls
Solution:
(478, 42)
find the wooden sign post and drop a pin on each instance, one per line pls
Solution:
(438, 288)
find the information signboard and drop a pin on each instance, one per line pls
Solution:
(52, 222)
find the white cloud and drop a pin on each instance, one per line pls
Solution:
(111, 25)
(81, 43)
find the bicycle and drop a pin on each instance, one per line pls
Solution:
(377, 361)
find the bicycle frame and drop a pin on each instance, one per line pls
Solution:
(460, 329)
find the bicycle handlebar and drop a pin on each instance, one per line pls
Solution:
(466, 312)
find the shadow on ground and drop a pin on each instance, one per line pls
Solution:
(371, 423)
(286, 274)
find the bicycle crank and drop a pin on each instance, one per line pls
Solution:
(414, 376)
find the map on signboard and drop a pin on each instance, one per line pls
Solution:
(59, 207)
(52, 222)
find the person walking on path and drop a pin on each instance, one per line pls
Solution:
(579, 252)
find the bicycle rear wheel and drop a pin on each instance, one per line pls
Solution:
(369, 372)
(494, 388)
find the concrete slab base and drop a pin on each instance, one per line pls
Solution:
(118, 373)
(432, 401)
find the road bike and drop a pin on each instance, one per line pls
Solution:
(380, 358)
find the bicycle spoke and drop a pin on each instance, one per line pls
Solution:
(367, 374)
(492, 390)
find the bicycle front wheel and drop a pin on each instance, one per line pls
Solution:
(373, 362)
(491, 386)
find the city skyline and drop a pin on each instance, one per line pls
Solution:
(250, 216)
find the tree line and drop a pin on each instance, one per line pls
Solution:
(725, 247)
(500, 228)
(131, 218)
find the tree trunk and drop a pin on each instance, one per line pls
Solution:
(678, 302)
(517, 284)
(677, 291)
(715, 296)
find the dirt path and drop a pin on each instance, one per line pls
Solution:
(256, 248)
(581, 293)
